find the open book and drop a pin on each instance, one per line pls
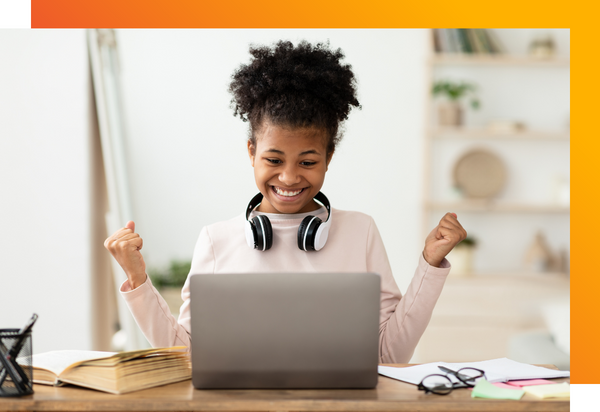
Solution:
(111, 371)
(496, 370)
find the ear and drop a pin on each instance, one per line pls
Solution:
(251, 152)
(329, 157)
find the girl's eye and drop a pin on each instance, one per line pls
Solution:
(274, 161)
(308, 163)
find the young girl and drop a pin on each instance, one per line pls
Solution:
(295, 99)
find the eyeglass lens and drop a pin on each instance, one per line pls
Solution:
(438, 384)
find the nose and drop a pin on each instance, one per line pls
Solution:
(290, 175)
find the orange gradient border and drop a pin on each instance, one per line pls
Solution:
(295, 14)
(576, 15)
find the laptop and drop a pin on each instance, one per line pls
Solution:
(285, 330)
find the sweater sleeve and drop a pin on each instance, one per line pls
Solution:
(152, 313)
(403, 319)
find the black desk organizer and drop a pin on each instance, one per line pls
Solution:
(16, 372)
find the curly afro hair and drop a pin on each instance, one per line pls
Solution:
(297, 87)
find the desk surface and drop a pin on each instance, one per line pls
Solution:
(389, 395)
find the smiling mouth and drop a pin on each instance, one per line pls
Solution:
(287, 193)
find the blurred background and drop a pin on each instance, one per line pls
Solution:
(474, 122)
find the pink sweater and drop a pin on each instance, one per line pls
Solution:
(354, 245)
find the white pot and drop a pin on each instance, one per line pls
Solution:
(461, 259)
(450, 114)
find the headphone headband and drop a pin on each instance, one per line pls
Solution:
(322, 199)
(319, 197)
(256, 200)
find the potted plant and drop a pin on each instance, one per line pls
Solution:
(461, 257)
(450, 112)
(169, 282)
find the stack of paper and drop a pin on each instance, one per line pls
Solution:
(496, 370)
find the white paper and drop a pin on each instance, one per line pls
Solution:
(58, 361)
(496, 370)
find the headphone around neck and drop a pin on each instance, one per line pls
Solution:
(312, 232)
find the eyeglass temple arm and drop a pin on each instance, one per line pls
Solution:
(458, 375)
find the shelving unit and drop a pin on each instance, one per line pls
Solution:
(473, 136)
(493, 304)
(475, 318)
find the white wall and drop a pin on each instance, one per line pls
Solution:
(187, 153)
(44, 199)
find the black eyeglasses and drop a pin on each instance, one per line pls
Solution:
(443, 385)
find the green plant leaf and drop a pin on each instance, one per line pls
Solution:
(174, 275)
(455, 91)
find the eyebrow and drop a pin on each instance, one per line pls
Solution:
(312, 151)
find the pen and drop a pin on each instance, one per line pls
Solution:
(19, 377)
(9, 368)
(22, 333)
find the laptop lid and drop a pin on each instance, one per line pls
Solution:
(285, 330)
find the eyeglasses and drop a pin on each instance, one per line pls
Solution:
(443, 385)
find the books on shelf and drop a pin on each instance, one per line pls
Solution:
(113, 372)
(470, 41)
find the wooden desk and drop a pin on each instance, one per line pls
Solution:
(390, 395)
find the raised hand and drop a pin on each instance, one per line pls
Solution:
(447, 234)
(125, 246)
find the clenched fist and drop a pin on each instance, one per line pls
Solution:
(125, 246)
(442, 239)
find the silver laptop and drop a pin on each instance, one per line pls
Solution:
(282, 330)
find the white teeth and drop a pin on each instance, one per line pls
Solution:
(285, 193)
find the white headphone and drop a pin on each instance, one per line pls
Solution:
(312, 232)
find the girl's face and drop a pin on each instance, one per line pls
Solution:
(289, 167)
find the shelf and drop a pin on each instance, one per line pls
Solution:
(511, 277)
(458, 59)
(485, 134)
(490, 206)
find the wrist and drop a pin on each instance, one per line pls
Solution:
(136, 281)
(432, 262)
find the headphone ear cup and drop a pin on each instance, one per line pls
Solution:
(307, 232)
(257, 232)
(263, 232)
(268, 232)
(251, 234)
(302, 230)
(321, 236)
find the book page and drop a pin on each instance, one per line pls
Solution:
(60, 360)
(57, 361)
